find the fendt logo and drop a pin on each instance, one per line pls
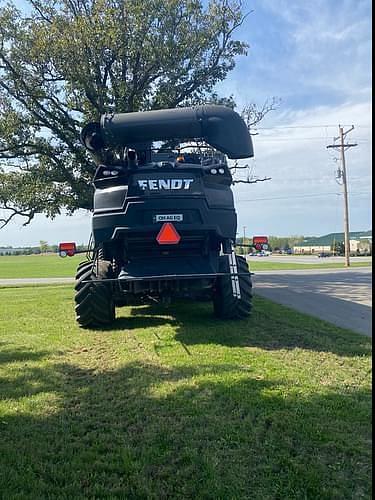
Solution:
(165, 184)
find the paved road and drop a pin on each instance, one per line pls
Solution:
(34, 281)
(342, 297)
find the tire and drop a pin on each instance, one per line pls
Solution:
(94, 301)
(83, 267)
(226, 304)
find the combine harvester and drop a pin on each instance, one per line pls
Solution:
(164, 223)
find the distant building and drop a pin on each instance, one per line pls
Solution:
(363, 245)
(360, 242)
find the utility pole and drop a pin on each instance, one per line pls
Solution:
(342, 146)
(244, 240)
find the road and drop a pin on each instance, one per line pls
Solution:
(34, 281)
(342, 297)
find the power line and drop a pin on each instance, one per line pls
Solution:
(292, 139)
(276, 127)
(290, 197)
(314, 195)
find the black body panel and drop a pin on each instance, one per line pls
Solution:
(207, 205)
(125, 224)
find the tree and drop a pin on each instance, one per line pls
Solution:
(43, 246)
(284, 242)
(66, 62)
(242, 245)
(338, 248)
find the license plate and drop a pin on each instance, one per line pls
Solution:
(169, 218)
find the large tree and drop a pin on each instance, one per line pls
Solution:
(64, 62)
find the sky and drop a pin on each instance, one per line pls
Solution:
(315, 57)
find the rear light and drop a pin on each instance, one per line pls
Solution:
(67, 249)
(168, 235)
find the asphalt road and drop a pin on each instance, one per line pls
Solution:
(34, 281)
(342, 297)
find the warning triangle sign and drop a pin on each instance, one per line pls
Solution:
(168, 235)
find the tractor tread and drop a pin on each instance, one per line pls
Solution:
(94, 301)
(226, 306)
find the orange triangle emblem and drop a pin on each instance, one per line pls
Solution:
(168, 235)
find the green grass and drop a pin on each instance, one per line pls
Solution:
(38, 266)
(53, 266)
(171, 403)
(264, 265)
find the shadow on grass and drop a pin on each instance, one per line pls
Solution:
(149, 432)
(135, 321)
(12, 355)
(270, 327)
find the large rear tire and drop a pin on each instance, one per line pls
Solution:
(94, 301)
(83, 267)
(233, 294)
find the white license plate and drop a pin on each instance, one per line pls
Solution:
(169, 218)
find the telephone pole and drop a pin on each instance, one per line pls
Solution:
(342, 146)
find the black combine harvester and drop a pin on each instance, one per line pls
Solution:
(164, 223)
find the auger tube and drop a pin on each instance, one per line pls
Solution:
(219, 126)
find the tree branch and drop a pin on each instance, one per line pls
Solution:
(4, 221)
(251, 181)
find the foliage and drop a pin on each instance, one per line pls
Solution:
(275, 242)
(68, 61)
(43, 245)
(338, 248)
(243, 250)
(284, 242)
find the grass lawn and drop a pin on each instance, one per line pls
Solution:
(39, 266)
(262, 265)
(53, 266)
(171, 403)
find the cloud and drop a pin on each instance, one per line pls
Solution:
(303, 196)
(305, 52)
(316, 56)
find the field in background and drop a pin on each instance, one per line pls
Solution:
(53, 266)
(171, 403)
(39, 266)
(264, 265)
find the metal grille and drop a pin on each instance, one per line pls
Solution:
(142, 247)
